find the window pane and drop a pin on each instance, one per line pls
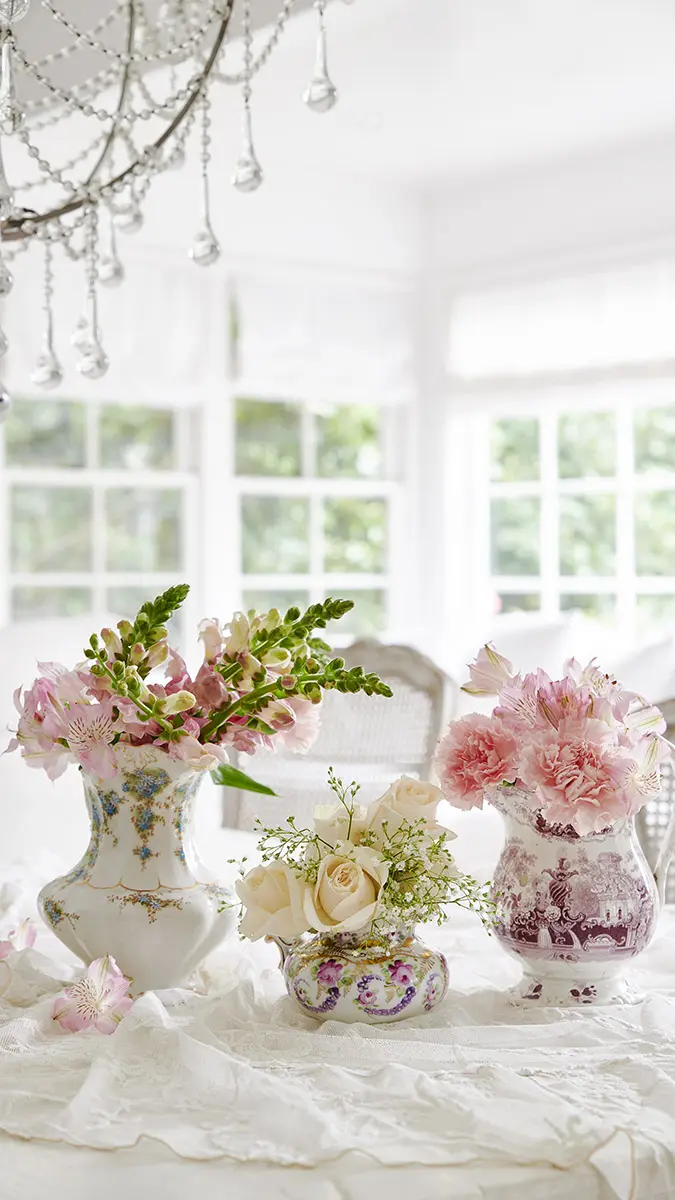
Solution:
(655, 440)
(355, 535)
(143, 529)
(349, 442)
(509, 602)
(275, 535)
(586, 445)
(369, 614)
(514, 446)
(268, 438)
(29, 603)
(600, 608)
(46, 433)
(136, 437)
(514, 536)
(655, 533)
(51, 529)
(587, 535)
(264, 601)
(655, 612)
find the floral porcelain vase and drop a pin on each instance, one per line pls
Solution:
(140, 892)
(574, 910)
(361, 977)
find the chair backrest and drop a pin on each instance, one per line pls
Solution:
(652, 820)
(372, 739)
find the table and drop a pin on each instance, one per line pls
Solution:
(238, 1094)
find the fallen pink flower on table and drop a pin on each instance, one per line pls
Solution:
(21, 938)
(98, 1000)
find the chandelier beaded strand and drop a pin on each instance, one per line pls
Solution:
(143, 74)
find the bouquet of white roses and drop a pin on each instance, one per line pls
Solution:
(382, 868)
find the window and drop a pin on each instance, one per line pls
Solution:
(582, 513)
(315, 492)
(97, 500)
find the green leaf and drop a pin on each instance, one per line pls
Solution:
(227, 776)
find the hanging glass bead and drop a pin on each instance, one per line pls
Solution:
(321, 94)
(81, 335)
(12, 11)
(248, 174)
(205, 249)
(110, 269)
(6, 278)
(48, 372)
(5, 402)
(4, 343)
(94, 361)
(11, 113)
(6, 192)
(128, 217)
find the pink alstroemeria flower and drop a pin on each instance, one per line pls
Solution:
(489, 672)
(98, 1000)
(21, 938)
(89, 730)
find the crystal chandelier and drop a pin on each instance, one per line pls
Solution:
(134, 122)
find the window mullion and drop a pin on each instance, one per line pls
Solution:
(549, 530)
(625, 522)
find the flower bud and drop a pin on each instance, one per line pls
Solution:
(137, 653)
(158, 655)
(126, 629)
(179, 702)
(111, 641)
(277, 659)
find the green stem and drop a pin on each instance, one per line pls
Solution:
(140, 706)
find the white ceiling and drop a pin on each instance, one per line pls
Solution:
(435, 88)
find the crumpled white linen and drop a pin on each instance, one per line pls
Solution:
(240, 1073)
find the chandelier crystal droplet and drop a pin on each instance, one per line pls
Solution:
(127, 84)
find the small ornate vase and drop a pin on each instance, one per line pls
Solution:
(140, 893)
(361, 977)
(574, 910)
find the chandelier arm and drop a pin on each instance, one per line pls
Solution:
(13, 228)
(124, 87)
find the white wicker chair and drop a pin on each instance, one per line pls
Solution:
(372, 739)
(652, 820)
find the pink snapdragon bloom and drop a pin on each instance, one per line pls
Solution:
(187, 747)
(97, 1001)
(476, 753)
(301, 736)
(209, 688)
(278, 714)
(579, 776)
(489, 672)
(21, 938)
(211, 634)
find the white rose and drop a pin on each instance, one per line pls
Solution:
(272, 896)
(331, 823)
(406, 800)
(347, 891)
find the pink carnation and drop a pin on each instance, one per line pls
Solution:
(578, 776)
(476, 753)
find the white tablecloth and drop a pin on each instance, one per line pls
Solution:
(236, 1093)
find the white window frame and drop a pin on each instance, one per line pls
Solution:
(98, 479)
(391, 487)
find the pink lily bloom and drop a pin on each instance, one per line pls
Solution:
(21, 938)
(489, 672)
(99, 1000)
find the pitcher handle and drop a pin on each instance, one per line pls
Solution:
(283, 947)
(666, 855)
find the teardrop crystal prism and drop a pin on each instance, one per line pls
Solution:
(248, 174)
(94, 362)
(81, 337)
(176, 159)
(48, 372)
(5, 402)
(205, 249)
(321, 94)
(4, 343)
(12, 11)
(11, 113)
(110, 271)
(6, 278)
(128, 218)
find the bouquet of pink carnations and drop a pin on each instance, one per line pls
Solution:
(583, 750)
(261, 682)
